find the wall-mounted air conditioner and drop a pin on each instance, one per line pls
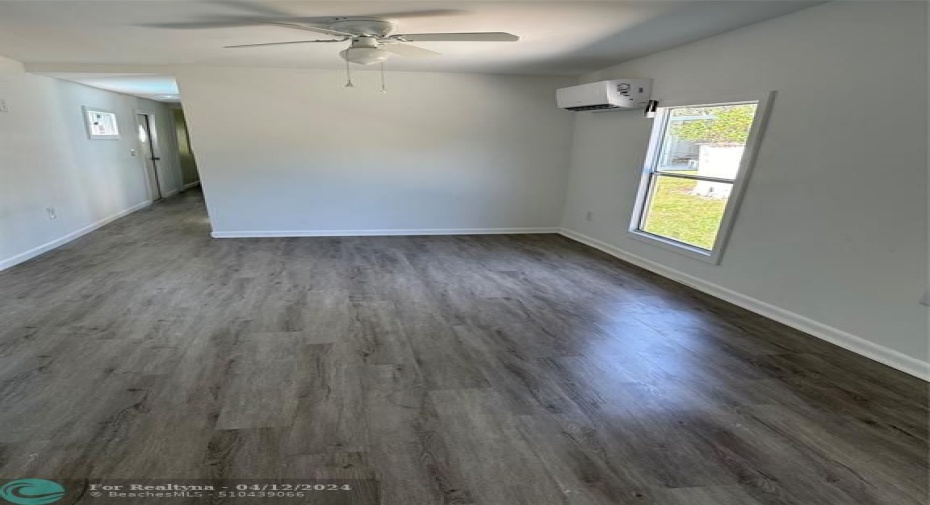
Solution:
(617, 94)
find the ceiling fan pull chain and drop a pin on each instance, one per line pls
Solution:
(383, 88)
(348, 71)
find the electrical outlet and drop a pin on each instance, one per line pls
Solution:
(51, 212)
(589, 216)
(3, 106)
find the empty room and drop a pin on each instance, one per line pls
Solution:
(464, 253)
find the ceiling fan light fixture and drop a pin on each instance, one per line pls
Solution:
(365, 55)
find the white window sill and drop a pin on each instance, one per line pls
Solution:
(712, 257)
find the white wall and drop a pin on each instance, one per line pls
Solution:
(46, 160)
(293, 152)
(832, 234)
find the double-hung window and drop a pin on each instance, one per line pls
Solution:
(699, 158)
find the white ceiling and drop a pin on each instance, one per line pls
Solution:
(556, 38)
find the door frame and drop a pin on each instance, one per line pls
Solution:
(147, 120)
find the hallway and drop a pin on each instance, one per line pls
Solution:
(491, 370)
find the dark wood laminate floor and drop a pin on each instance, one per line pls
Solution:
(485, 370)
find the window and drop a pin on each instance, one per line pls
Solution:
(101, 124)
(698, 162)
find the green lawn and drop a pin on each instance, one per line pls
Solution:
(676, 213)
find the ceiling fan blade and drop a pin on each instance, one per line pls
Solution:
(408, 51)
(240, 22)
(256, 8)
(419, 14)
(201, 25)
(457, 37)
(238, 46)
(327, 20)
(306, 28)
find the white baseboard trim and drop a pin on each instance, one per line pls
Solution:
(190, 185)
(379, 233)
(856, 344)
(170, 192)
(48, 246)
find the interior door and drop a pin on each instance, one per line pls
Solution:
(149, 154)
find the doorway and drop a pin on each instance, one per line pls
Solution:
(148, 145)
(189, 175)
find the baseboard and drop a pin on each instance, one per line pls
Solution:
(32, 253)
(170, 192)
(190, 185)
(856, 344)
(376, 233)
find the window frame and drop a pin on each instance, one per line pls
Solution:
(763, 102)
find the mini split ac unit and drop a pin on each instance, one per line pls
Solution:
(617, 94)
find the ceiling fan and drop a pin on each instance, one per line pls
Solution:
(372, 39)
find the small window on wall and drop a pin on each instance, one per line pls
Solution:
(101, 124)
(697, 166)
